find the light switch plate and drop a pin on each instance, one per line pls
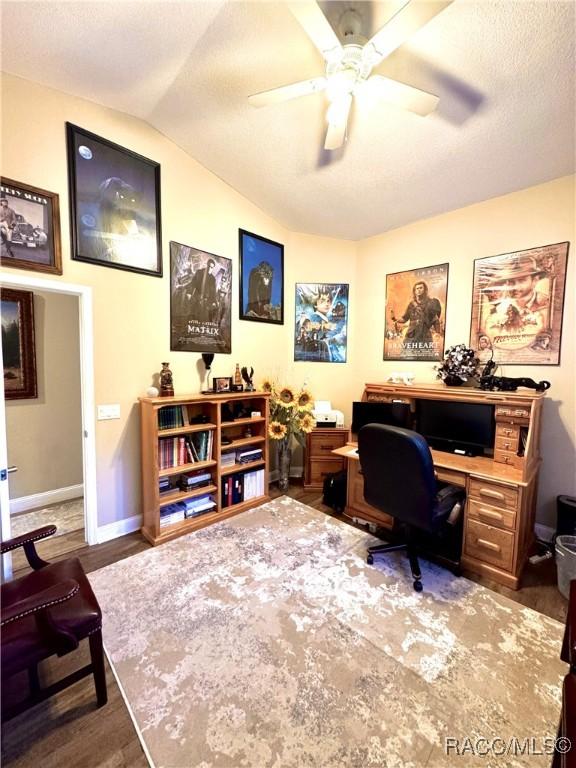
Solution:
(108, 412)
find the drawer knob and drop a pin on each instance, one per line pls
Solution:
(488, 545)
(492, 514)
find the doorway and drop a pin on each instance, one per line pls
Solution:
(80, 298)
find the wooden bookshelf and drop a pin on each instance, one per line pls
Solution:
(193, 423)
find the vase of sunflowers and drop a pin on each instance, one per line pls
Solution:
(290, 419)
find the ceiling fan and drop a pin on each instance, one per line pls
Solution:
(349, 64)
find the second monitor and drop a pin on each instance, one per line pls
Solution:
(394, 414)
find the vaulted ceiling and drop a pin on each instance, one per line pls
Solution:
(504, 72)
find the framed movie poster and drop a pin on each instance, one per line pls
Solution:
(200, 300)
(30, 228)
(416, 314)
(18, 344)
(320, 331)
(517, 305)
(114, 204)
(261, 279)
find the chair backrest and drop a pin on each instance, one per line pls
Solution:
(398, 473)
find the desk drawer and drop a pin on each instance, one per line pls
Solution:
(508, 457)
(501, 496)
(486, 513)
(507, 444)
(451, 476)
(508, 430)
(489, 544)
(511, 412)
(320, 469)
(321, 446)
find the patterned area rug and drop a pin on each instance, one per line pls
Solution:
(265, 641)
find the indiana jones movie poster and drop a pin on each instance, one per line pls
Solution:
(517, 304)
(416, 314)
(200, 300)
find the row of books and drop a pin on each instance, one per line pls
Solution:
(241, 456)
(172, 416)
(189, 481)
(185, 449)
(242, 486)
(183, 510)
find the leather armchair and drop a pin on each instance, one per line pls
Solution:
(47, 612)
(399, 480)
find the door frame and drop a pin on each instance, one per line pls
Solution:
(85, 311)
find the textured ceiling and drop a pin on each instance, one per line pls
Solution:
(504, 72)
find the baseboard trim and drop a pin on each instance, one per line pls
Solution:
(44, 499)
(544, 532)
(119, 528)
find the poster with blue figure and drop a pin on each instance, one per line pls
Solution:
(261, 279)
(321, 322)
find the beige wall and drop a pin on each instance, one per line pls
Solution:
(44, 435)
(131, 312)
(537, 216)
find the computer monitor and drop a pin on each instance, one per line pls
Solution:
(394, 414)
(457, 427)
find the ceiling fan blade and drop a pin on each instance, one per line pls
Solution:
(405, 22)
(337, 116)
(405, 96)
(317, 27)
(286, 92)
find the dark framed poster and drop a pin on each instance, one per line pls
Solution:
(200, 300)
(261, 279)
(415, 321)
(18, 344)
(517, 306)
(114, 204)
(321, 322)
(30, 228)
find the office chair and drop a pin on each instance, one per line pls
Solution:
(48, 612)
(399, 480)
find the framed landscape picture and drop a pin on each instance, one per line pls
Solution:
(321, 322)
(517, 306)
(29, 227)
(114, 204)
(200, 300)
(18, 344)
(261, 279)
(415, 320)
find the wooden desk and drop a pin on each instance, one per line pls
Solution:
(500, 491)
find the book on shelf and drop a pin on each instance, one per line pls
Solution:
(172, 417)
(171, 452)
(190, 481)
(228, 459)
(242, 486)
(246, 455)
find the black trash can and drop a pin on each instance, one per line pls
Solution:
(566, 509)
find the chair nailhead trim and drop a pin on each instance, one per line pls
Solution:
(40, 607)
(28, 541)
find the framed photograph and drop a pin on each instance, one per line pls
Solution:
(517, 306)
(114, 204)
(200, 301)
(320, 328)
(261, 279)
(415, 321)
(18, 344)
(222, 384)
(29, 227)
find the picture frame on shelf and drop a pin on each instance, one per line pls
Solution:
(30, 228)
(18, 344)
(261, 279)
(222, 383)
(114, 204)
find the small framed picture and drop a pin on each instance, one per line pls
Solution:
(261, 279)
(114, 204)
(30, 228)
(19, 351)
(222, 383)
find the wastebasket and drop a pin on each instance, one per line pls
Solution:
(566, 562)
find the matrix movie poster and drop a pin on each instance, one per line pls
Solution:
(517, 306)
(320, 332)
(200, 306)
(416, 314)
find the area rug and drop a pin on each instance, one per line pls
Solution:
(265, 641)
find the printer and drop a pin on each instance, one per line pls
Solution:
(326, 416)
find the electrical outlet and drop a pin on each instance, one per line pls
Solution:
(108, 412)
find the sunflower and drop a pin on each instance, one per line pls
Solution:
(307, 423)
(276, 430)
(304, 400)
(267, 385)
(286, 397)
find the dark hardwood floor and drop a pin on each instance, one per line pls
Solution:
(68, 730)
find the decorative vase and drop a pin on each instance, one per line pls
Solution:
(453, 381)
(284, 459)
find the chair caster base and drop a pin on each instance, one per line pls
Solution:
(417, 585)
(370, 560)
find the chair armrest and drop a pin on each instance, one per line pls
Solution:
(58, 593)
(27, 541)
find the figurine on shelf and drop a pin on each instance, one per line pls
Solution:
(248, 378)
(166, 381)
